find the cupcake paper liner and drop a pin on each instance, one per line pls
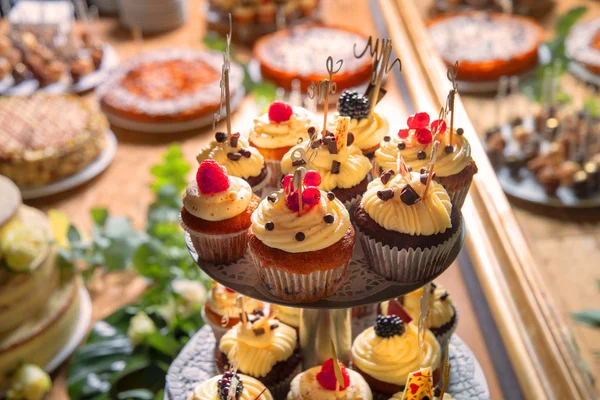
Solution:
(275, 167)
(407, 265)
(261, 189)
(446, 331)
(281, 389)
(217, 329)
(350, 203)
(218, 249)
(301, 288)
(457, 190)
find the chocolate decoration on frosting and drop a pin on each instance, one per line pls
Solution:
(270, 226)
(386, 138)
(423, 178)
(350, 139)
(297, 163)
(401, 146)
(316, 144)
(234, 139)
(274, 326)
(328, 218)
(330, 196)
(335, 167)
(220, 137)
(332, 147)
(409, 196)
(329, 134)
(385, 194)
(245, 153)
(312, 131)
(271, 198)
(259, 331)
(234, 156)
(300, 236)
(421, 155)
(386, 176)
(460, 131)
(444, 296)
(449, 149)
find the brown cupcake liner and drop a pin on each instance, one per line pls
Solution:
(301, 288)
(275, 169)
(407, 265)
(262, 189)
(281, 389)
(218, 249)
(352, 202)
(445, 332)
(458, 185)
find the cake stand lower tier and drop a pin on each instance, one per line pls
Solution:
(196, 363)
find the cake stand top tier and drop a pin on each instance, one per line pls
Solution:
(363, 286)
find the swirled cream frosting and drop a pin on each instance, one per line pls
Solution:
(429, 216)
(446, 164)
(274, 135)
(218, 206)
(244, 167)
(318, 234)
(354, 166)
(441, 310)
(224, 302)
(368, 132)
(256, 354)
(209, 389)
(392, 359)
(288, 315)
(306, 387)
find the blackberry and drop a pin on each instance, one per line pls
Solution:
(388, 326)
(354, 105)
(224, 385)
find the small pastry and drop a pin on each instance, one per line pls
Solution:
(387, 352)
(216, 213)
(593, 171)
(218, 387)
(566, 172)
(266, 12)
(243, 14)
(81, 67)
(515, 161)
(5, 68)
(320, 383)
(549, 180)
(495, 145)
(288, 315)
(581, 186)
(52, 72)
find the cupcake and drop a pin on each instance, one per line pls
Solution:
(301, 240)
(263, 348)
(277, 131)
(288, 315)
(407, 229)
(216, 213)
(321, 383)
(344, 170)
(387, 352)
(454, 167)
(369, 127)
(221, 310)
(442, 312)
(218, 387)
(420, 387)
(240, 159)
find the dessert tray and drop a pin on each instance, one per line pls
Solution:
(362, 287)
(196, 363)
(88, 173)
(581, 72)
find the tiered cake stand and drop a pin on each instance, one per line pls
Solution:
(320, 323)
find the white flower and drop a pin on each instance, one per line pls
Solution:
(192, 293)
(140, 327)
(29, 382)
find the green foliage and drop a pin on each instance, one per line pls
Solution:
(588, 317)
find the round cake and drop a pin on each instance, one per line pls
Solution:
(46, 138)
(583, 45)
(174, 85)
(486, 45)
(300, 53)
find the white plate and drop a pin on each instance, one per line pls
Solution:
(110, 60)
(83, 323)
(170, 127)
(583, 73)
(86, 174)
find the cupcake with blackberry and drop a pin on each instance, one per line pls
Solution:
(344, 170)
(454, 167)
(277, 131)
(218, 388)
(301, 240)
(288, 315)
(222, 309)
(241, 160)
(387, 352)
(407, 225)
(263, 348)
(368, 126)
(216, 213)
(325, 383)
(443, 317)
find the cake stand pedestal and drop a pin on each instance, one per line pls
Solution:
(318, 327)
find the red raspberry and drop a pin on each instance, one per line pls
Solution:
(442, 126)
(326, 377)
(287, 181)
(292, 201)
(310, 197)
(280, 111)
(424, 136)
(312, 178)
(419, 120)
(403, 133)
(211, 178)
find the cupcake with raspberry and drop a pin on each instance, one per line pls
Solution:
(454, 167)
(216, 213)
(343, 168)
(407, 226)
(218, 387)
(368, 126)
(443, 317)
(277, 131)
(263, 348)
(321, 383)
(241, 160)
(222, 311)
(387, 352)
(288, 315)
(301, 240)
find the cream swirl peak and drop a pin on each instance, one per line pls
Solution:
(209, 389)
(271, 130)
(235, 154)
(395, 202)
(224, 301)
(215, 196)
(368, 132)
(441, 311)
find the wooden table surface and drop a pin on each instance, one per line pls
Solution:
(124, 187)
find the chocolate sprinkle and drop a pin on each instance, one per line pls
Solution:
(423, 170)
(449, 149)
(387, 138)
(335, 167)
(332, 147)
(385, 194)
(401, 146)
(326, 141)
(311, 131)
(246, 153)
(386, 176)
(298, 162)
(274, 326)
(234, 139)
(300, 236)
(460, 131)
(234, 156)
(350, 139)
(259, 331)
(330, 196)
(272, 198)
(315, 144)
(328, 218)
(328, 134)
(409, 196)
(269, 226)
(409, 168)
(421, 155)
(424, 176)
(444, 296)
(220, 137)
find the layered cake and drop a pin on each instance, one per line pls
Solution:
(46, 138)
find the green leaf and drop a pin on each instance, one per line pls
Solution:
(136, 394)
(99, 215)
(587, 317)
(264, 93)
(215, 42)
(164, 343)
(566, 21)
(173, 170)
(73, 235)
(592, 107)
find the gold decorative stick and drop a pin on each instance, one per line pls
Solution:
(224, 84)
(341, 133)
(445, 370)
(297, 182)
(323, 89)
(336, 369)
(430, 166)
(451, 74)
(260, 394)
(240, 305)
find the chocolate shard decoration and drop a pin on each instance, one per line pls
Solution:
(329, 134)
(332, 147)
(385, 194)
(335, 167)
(424, 176)
(315, 144)
(444, 296)
(220, 137)
(409, 196)
(246, 153)
(350, 139)
(326, 140)
(369, 91)
(259, 331)
(386, 176)
(297, 163)
(234, 139)
(274, 326)
(234, 156)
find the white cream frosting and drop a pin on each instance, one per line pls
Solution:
(368, 132)
(209, 390)
(441, 310)
(244, 167)
(224, 302)
(218, 206)
(306, 387)
(288, 315)
(273, 135)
